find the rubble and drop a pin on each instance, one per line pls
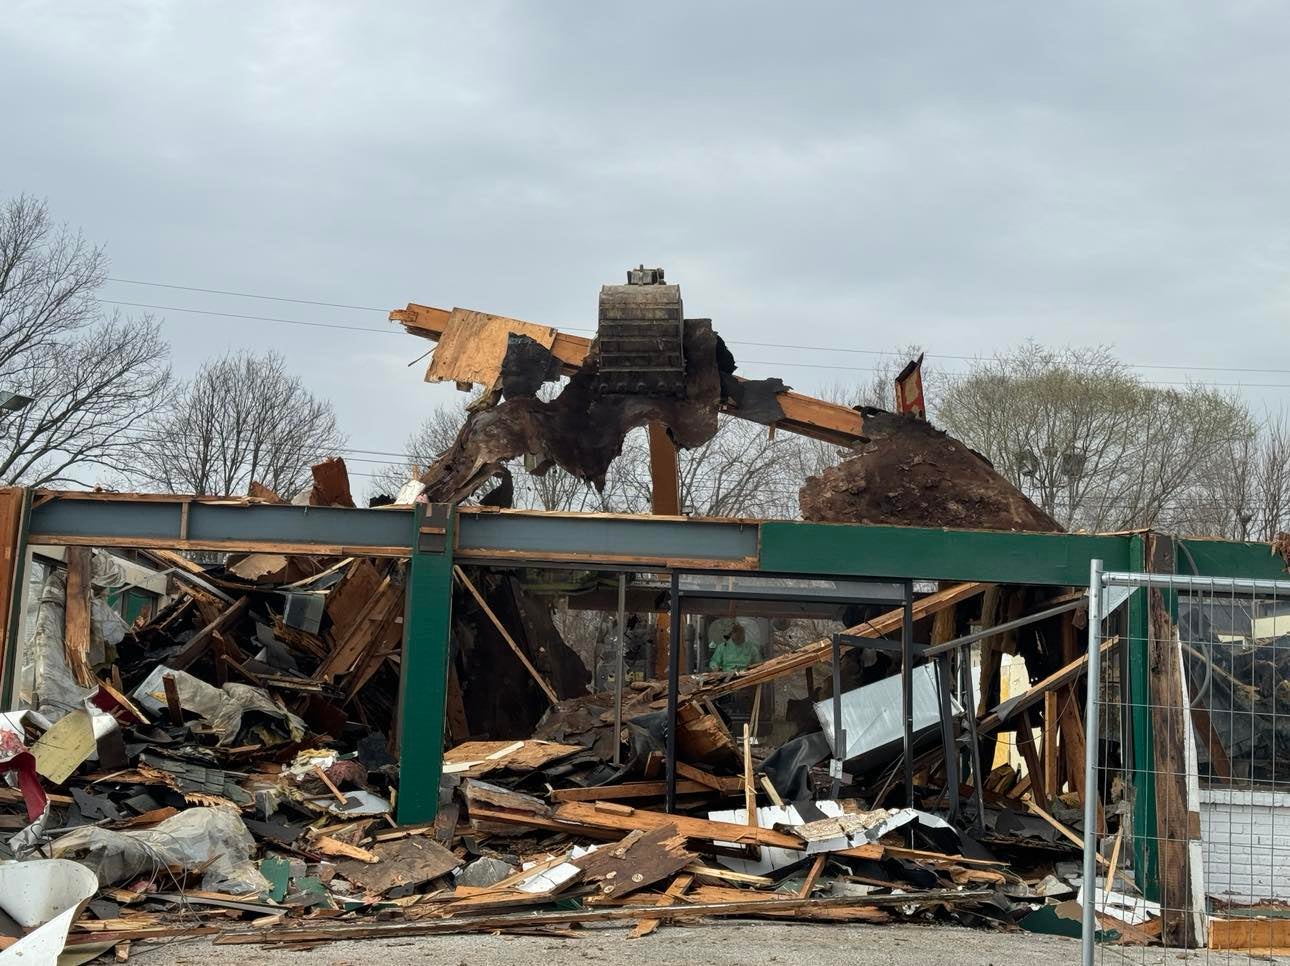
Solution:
(908, 473)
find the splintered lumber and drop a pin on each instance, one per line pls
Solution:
(708, 893)
(347, 600)
(584, 817)
(674, 892)
(822, 650)
(683, 910)
(1062, 829)
(637, 862)
(76, 627)
(816, 868)
(199, 642)
(406, 862)
(1034, 767)
(1059, 678)
(628, 790)
(331, 483)
(506, 635)
(372, 625)
(718, 783)
(1177, 825)
(472, 759)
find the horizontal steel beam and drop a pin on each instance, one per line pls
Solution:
(192, 523)
(605, 540)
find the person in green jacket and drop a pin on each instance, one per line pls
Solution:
(734, 653)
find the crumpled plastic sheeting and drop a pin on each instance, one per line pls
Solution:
(189, 840)
(54, 689)
(222, 708)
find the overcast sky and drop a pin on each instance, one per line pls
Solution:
(834, 175)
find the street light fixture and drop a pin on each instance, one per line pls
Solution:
(12, 402)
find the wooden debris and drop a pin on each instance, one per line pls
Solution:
(77, 625)
(407, 862)
(475, 758)
(636, 862)
(674, 892)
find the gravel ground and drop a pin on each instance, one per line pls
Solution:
(712, 944)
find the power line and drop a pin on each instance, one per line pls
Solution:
(951, 374)
(246, 295)
(743, 342)
(252, 318)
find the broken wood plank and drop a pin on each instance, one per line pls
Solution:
(1063, 676)
(1030, 754)
(1182, 906)
(199, 642)
(77, 625)
(683, 910)
(636, 862)
(173, 708)
(1065, 832)
(718, 783)
(627, 790)
(816, 868)
(406, 862)
(575, 816)
(372, 622)
(674, 892)
(501, 629)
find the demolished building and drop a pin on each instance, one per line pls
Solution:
(380, 700)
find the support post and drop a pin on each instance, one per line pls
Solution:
(673, 682)
(1145, 858)
(1089, 923)
(907, 692)
(839, 732)
(618, 672)
(427, 636)
(15, 517)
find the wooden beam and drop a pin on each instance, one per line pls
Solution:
(501, 629)
(1071, 672)
(696, 828)
(664, 472)
(1219, 763)
(77, 624)
(1174, 826)
(681, 910)
(628, 790)
(1034, 765)
(200, 641)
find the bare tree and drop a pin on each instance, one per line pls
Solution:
(1087, 439)
(243, 418)
(93, 380)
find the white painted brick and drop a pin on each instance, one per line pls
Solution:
(1245, 838)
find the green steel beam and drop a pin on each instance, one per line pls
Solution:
(423, 687)
(1060, 559)
(1229, 558)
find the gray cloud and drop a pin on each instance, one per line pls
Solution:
(962, 175)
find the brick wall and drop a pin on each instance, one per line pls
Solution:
(1245, 836)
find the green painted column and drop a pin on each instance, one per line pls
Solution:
(427, 632)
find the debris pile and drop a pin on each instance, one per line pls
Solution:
(907, 472)
(224, 771)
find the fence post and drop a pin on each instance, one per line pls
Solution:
(1091, 748)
